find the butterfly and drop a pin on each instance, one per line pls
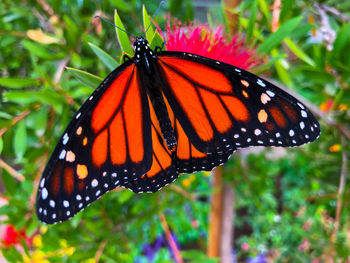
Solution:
(159, 114)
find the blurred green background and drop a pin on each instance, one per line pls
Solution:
(290, 205)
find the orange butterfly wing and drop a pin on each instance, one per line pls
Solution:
(221, 107)
(107, 144)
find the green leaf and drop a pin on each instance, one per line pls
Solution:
(265, 67)
(47, 97)
(318, 75)
(281, 70)
(341, 45)
(252, 19)
(123, 37)
(106, 59)
(298, 52)
(41, 51)
(277, 37)
(12, 255)
(9, 182)
(157, 40)
(121, 5)
(86, 78)
(147, 24)
(20, 139)
(5, 115)
(301, 31)
(263, 6)
(125, 196)
(37, 120)
(18, 82)
(72, 32)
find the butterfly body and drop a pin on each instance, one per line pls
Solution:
(160, 114)
(145, 59)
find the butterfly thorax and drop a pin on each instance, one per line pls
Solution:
(145, 58)
(144, 55)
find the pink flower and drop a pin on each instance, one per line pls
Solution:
(13, 237)
(245, 246)
(305, 245)
(195, 223)
(201, 40)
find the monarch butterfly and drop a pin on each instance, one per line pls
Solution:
(159, 114)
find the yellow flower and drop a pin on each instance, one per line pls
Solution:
(43, 229)
(63, 243)
(37, 241)
(207, 173)
(26, 259)
(343, 107)
(90, 260)
(65, 249)
(192, 177)
(39, 257)
(335, 148)
(186, 182)
(68, 251)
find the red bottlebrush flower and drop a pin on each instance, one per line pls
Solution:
(202, 40)
(13, 237)
(327, 105)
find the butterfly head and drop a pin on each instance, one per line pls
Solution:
(143, 53)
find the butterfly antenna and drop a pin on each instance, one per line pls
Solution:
(160, 4)
(114, 25)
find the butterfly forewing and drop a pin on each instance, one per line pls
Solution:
(105, 146)
(221, 107)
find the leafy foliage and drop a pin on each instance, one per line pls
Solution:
(54, 53)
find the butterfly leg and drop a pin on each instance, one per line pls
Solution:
(158, 48)
(126, 58)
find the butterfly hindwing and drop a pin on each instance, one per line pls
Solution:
(163, 170)
(221, 107)
(187, 157)
(107, 143)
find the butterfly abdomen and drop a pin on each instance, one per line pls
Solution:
(145, 59)
(163, 119)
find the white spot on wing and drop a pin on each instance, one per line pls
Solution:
(65, 139)
(42, 182)
(257, 132)
(65, 203)
(270, 93)
(44, 193)
(62, 154)
(94, 183)
(261, 83)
